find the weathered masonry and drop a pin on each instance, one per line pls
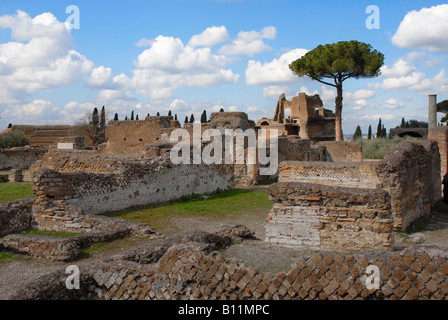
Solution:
(357, 205)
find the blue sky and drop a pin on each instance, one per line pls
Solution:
(191, 55)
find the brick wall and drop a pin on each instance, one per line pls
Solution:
(321, 217)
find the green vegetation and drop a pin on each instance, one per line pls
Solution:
(332, 64)
(376, 148)
(413, 124)
(15, 190)
(49, 233)
(13, 139)
(6, 256)
(358, 133)
(233, 202)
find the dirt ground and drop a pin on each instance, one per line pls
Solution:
(256, 253)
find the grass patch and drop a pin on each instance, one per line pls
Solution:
(376, 148)
(49, 233)
(235, 202)
(6, 256)
(12, 191)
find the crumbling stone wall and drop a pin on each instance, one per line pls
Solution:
(409, 173)
(135, 183)
(20, 158)
(315, 200)
(15, 216)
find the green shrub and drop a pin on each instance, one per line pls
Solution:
(376, 148)
(13, 139)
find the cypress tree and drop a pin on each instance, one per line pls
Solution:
(95, 118)
(358, 134)
(222, 110)
(192, 118)
(132, 115)
(204, 117)
(369, 134)
(379, 129)
(158, 114)
(175, 117)
(103, 119)
(383, 132)
(116, 117)
(186, 119)
(169, 113)
(136, 118)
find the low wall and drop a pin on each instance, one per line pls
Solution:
(136, 183)
(20, 158)
(186, 271)
(15, 216)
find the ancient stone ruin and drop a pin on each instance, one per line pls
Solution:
(327, 202)
(308, 119)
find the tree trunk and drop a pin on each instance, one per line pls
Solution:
(338, 111)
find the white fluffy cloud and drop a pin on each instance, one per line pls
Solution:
(250, 42)
(424, 29)
(275, 71)
(41, 58)
(403, 75)
(210, 37)
(168, 65)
